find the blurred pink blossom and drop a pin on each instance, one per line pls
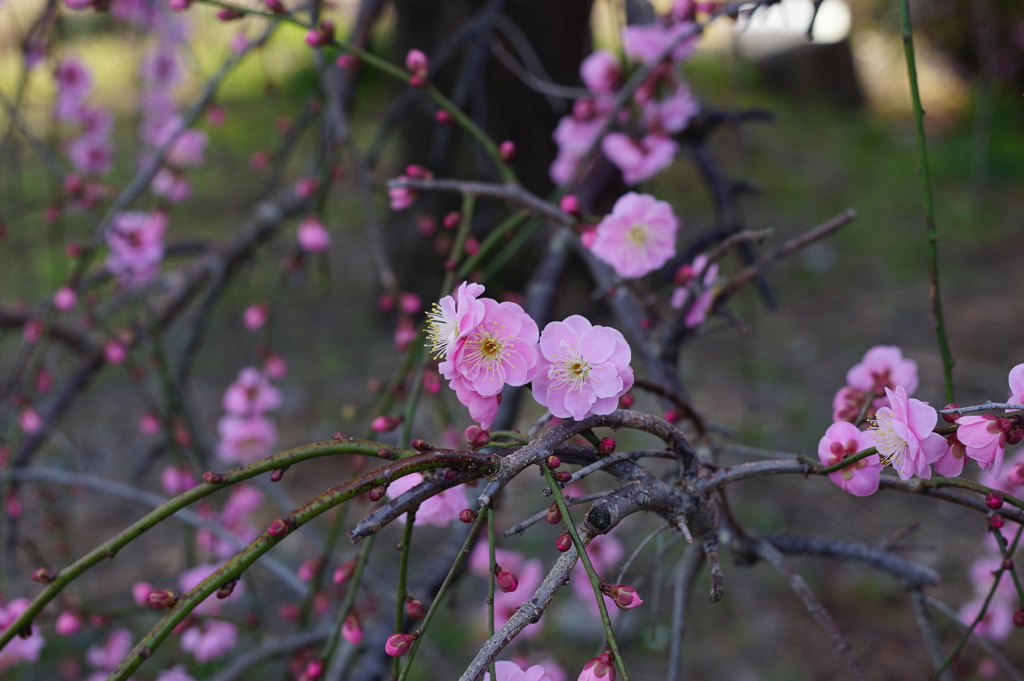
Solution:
(256, 315)
(244, 440)
(210, 640)
(312, 235)
(136, 242)
(997, 622)
(883, 366)
(698, 312)
(65, 298)
(601, 72)
(510, 671)
(108, 655)
(211, 605)
(646, 43)
(638, 236)
(19, 649)
(673, 113)
(440, 510)
(639, 160)
(251, 393)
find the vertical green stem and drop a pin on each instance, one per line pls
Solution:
(929, 211)
(468, 206)
(595, 581)
(403, 570)
(492, 562)
(331, 646)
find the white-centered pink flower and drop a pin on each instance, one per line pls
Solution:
(583, 368)
(646, 43)
(440, 510)
(510, 671)
(985, 438)
(638, 236)
(252, 393)
(452, 318)
(639, 160)
(839, 442)
(244, 440)
(904, 437)
(136, 242)
(500, 349)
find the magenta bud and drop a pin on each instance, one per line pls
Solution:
(344, 572)
(418, 172)
(68, 623)
(626, 401)
(506, 581)
(671, 415)
(347, 61)
(554, 515)
(994, 500)
(564, 542)
(996, 522)
(1018, 618)
(398, 645)
(625, 596)
(314, 670)
(570, 204)
(226, 590)
(417, 81)
(417, 62)
(467, 515)
(44, 575)
(377, 493)
(414, 609)
(606, 445)
(314, 38)
(277, 474)
(1007, 563)
(386, 423)
(950, 418)
(279, 528)
(442, 117)
(598, 668)
(161, 599)
(553, 461)
(449, 473)
(477, 436)
(452, 220)
(563, 476)
(507, 150)
(420, 445)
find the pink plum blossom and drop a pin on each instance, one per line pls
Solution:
(256, 315)
(352, 629)
(638, 236)
(982, 574)
(952, 462)
(136, 242)
(1017, 384)
(65, 298)
(583, 369)
(19, 649)
(673, 113)
(903, 435)
(108, 655)
(177, 479)
(74, 83)
(95, 122)
(171, 184)
(997, 622)
(698, 312)
(312, 235)
(161, 68)
(250, 394)
(440, 510)
(210, 640)
(601, 72)
(482, 409)
(498, 350)
(191, 578)
(639, 160)
(840, 441)
(646, 43)
(453, 318)
(176, 673)
(883, 366)
(91, 155)
(244, 440)
(985, 439)
(510, 671)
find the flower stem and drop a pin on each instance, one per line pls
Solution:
(403, 572)
(491, 562)
(929, 211)
(331, 646)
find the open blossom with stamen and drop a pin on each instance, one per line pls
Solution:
(452, 318)
(903, 435)
(883, 366)
(583, 368)
(498, 350)
(638, 236)
(840, 441)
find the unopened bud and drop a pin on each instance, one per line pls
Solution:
(277, 474)
(213, 478)
(996, 522)
(385, 423)
(563, 476)
(414, 609)
(314, 670)
(377, 493)
(564, 542)
(339, 435)
(507, 150)
(671, 415)
(467, 515)
(449, 473)
(161, 599)
(554, 515)
(44, 575)
(344, 572)
(625, 596)
(506, 581)
(442, 117)
(950, 418)
(626, 401)
(1018, 618)
(280, 527)
(452, 220)
(229, 14)
(553, 461)
(606, 445)
(570, 204)
(226, 590)
(994, 500)
(420, 445)
(398, 645)
(1007, 563)
(477, 436)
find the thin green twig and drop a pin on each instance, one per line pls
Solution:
(403, 573)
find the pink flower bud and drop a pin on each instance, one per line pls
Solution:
(431, 382)
(626, 401)
(344, 572)
(671, 415)
(994, 500)
(140, 593)
(309, 568)
(420, 445)
(426, 225)
(606, 446)
(563, 476)
(149, 424)
(377, 493)
(255, 316)
(554, 515)
(442, 117)
(212, 478)
(29, 419)
(68, 623)
(161, 599)
(570, 204)
(385, 423)
(274, 366)
(73, 184)
(588, 236)
(467, 515)
(72, 249)
(279, 528)
(314, 670)
(314, 38)
(352, 629)
(506, 581)
(472, 245)
(386, 302)
(44, 380)
(398, 645)
(625, 596)
(507, 150)
(65, 298)
(306, 186)
(598, 669)
(417, 63)
(477, 436)
(564, 542)
(226, 590)
(996, 522)
(950, 418)
(180, 5)
(414, 609)
(452, 220)
(114, 352)
(409, 303)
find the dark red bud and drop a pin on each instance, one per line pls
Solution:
(671, 415)
(44, 575)
(1015, 436)
(414, 609)
(449, 474)
(950, 418)
(161, 599)
(564, 542)
(1018, 618)
(443, 117)
(996, 522)
(553, 461)
(563, 476)
(606, 445)
(377, 493)
(227, 589)
(506, 581)
(420, 445)
(1007, 563)
(417, 81)
(467, 515)
(277, 474)
(626, 401)
(994, 500)
(554, 515)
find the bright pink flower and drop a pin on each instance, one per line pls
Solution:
(398, 645)
(136, 242)
(313, 236)
(646, 43)
(91, 155)
(440, 510)
(599, 668)
(251, 394)
(985, 439)
(176, 673)
(19, 649)
(177, 479)
(840, 441)
(189, 579)
(698, 312)
(68, 623)
(583, 369)
(883, 367)
(601, 72)
(29, 419)
(352, 629)
(417, 63)
(453, 318)
(638, 236)
(210, 640)
(997, 622)
(140, 593)
(171, 184)
(65, 298)
(673, 113)
(244, 440)
(108, 655)
(510, 671)
(903, 435)
(409, 303)
(639, 160)
(256, 315)
(500, 349)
